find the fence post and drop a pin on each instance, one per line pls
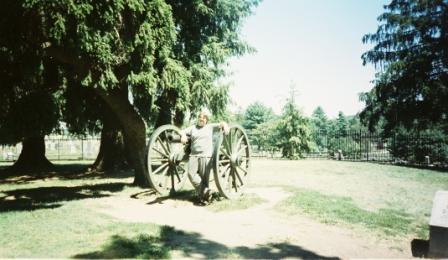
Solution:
(368, 145)
(59, 147)
(82, 148)
(360, 144)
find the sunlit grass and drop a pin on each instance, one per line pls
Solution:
(336, 210)
(244, 202)
(66, 231)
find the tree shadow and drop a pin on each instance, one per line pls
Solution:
(63, 172)
(192, 245)
(51, 197)
(183, 195)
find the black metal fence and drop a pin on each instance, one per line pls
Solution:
(58, 148)
(354, 146)
(365, 146)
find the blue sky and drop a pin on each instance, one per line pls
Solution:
(315, 45)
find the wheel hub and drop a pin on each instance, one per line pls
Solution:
(235, 160)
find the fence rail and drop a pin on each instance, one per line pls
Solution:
(355, 146)
(361, 146)
(58, 148)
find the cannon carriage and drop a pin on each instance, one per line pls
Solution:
(167, 161)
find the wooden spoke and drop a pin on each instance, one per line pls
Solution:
(177, 174)
(230, 176)
(162, 178)
(240, 150)
(221, 162)
(224, 152)
(225, 170)
(160, 152)
(172, 178)
(238, 176)
(167, 175)
(167, 151)
(241, 168)
(161, 167)
(238, 143)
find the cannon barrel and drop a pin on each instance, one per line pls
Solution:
(175, 138)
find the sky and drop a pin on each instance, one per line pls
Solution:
(315, 45)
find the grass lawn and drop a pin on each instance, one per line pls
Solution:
(56, 216)
(393, 200)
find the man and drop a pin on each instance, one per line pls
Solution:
(200, 161)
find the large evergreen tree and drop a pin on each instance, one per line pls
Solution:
(29, 108)
(411, 49)
(167, 54)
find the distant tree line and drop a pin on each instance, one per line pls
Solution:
(124, 67)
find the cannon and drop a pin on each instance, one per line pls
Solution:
(167, 161)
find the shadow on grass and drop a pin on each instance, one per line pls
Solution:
(50, 197)
(192, 245)
(63, 172)
(183, 195)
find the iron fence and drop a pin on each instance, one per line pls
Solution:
(365, 146)
(355, 146)
(58, 148)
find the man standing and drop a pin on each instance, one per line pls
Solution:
(200, 160)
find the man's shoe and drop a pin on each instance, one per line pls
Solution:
(208, 194)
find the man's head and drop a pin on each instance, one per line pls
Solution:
(203, 118)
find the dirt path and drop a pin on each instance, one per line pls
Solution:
(255, 232)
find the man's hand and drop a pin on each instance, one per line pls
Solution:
(225, 127)
(183, 139)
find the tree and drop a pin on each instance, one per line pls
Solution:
(319, 126)
(167, 54)
(293, 130)
(255, 115)
(267, 135)
(29, 108)
(411, 49)
(341, 124)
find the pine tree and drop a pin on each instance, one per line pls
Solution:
(411, 51)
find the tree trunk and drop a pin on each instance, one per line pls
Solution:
(134, 131)
(32, 157)
(164, 116)
(178, 119)
(112, 155)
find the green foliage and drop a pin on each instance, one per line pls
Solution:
(207, 35)
(341, 125)
(267, 135)
(256, 114)
(259, 121)
(29, 106)
(320, 129)
(293, 130)
(155, 50)
(413, 146)
(411, 50)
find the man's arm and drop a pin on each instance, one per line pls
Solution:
(184, 133)
(222, 125)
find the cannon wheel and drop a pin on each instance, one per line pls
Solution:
(232, 162)
(167, 171)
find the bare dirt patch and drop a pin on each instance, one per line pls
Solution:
(252, 232)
